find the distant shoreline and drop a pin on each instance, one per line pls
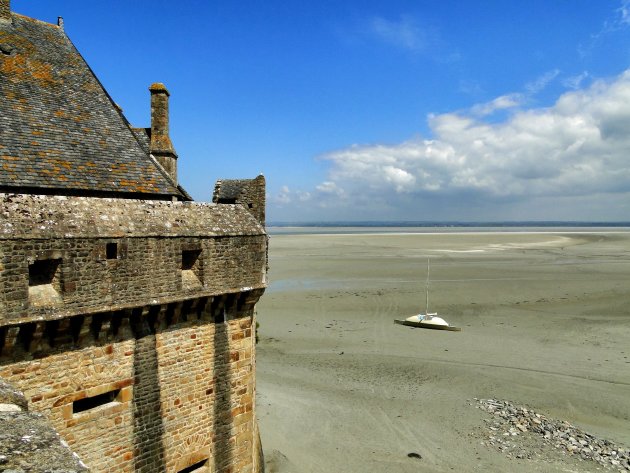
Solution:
(431, 224)
(372, 227)
(308, 229)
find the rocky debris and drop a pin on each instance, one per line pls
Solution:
(511, 421)
(28, 443)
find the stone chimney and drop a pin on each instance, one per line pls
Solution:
(161, 147)
(5, 11)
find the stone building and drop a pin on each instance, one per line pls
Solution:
(126, 309)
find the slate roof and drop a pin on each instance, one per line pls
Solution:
(59, 129)
(143, 135)
(231, 188)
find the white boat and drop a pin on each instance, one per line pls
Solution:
(428, 319)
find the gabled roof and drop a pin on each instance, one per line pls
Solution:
(60, 132)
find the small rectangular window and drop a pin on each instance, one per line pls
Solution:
(42, 272)
(44, 285)
(189, 259)
(226, 201)
(191, 269)
(111, 250)
(199, 466)
(87, 403)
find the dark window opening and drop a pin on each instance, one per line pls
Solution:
(192, 273)
(227, 201)
(189, 258)
(42, 272)
(50, 331)
(111, 250)
(25, 336)
(85, 404)
(44, 283)
(251, 206)
(196, 467)
(76, 323)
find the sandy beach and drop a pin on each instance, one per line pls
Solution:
(340, 387)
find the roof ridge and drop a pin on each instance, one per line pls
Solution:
(35, 20)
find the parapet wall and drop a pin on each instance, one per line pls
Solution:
(87, 255)
(41, 216)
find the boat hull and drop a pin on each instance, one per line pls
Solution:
(420, 324)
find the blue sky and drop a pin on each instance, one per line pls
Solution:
(380, 110)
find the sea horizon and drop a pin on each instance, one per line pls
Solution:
(359, 227)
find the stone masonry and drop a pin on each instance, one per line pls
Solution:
(127, 311)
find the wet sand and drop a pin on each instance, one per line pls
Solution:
(545, 319)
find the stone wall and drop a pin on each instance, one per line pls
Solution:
(129, 325)
(249, 193)
(164, 391)
(87, 255)
(53, 278)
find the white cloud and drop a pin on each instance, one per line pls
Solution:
(283, 197)
(286, 196)
(575, 82)
(329, 187)
(515, 100)
(619, 20)
(500, 103)
(577, 147)
(541, 82)
(404, 33)
(624, 12)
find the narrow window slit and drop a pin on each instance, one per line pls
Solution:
(196, 467)
(111, 250)
(87, 403)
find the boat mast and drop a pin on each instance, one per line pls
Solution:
(427, 287)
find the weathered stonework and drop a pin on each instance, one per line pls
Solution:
(183, 376)
(27, 441)
(249, 193)
(148, 240)
(160, 142)
(127, 312)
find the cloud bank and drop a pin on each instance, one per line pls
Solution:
(577, 150)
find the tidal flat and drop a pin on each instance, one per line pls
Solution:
(545, 320)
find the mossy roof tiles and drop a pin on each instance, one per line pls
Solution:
(59, 129)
